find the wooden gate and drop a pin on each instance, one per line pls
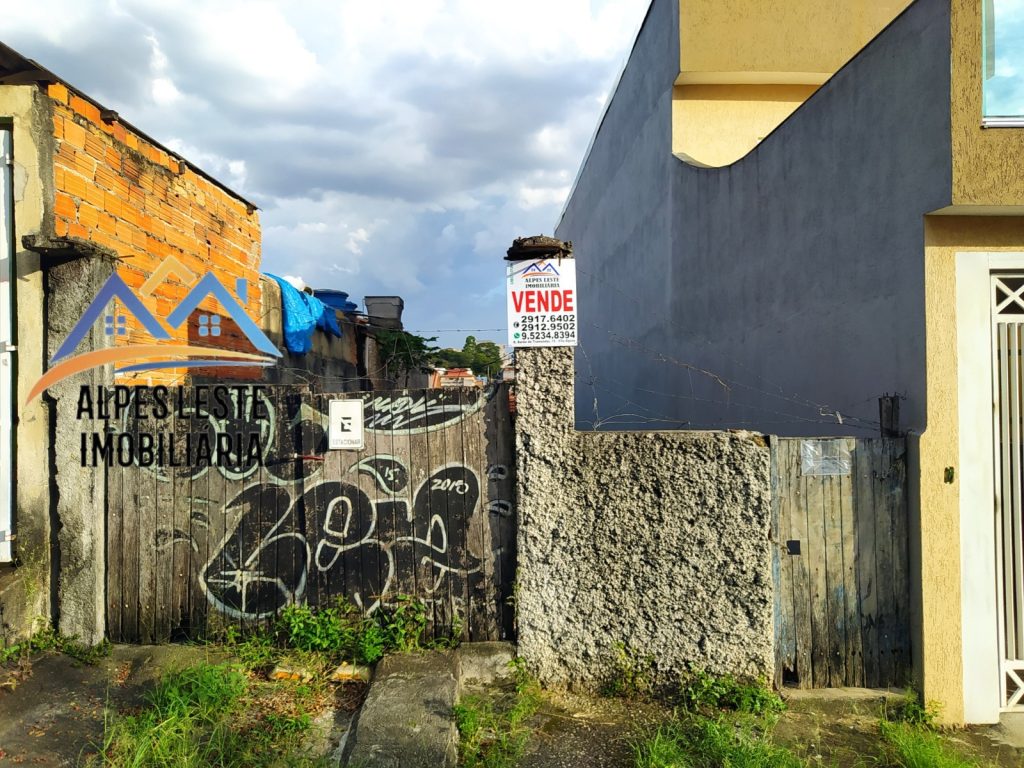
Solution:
(840, 562)
(424, 510)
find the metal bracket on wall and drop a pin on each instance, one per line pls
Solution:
(7, 536)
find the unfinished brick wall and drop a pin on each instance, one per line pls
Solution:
(118, 190)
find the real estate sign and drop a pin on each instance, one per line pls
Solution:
(542, 303)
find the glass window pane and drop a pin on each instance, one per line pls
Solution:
(1003, 58)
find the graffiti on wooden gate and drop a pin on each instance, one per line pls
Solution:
(412, 514)
(264, 565)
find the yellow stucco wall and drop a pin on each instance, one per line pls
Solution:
(745, 66)
(940, 580)
(772, 36)
(987, 167)
(716, 125)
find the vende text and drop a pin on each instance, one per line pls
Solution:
(542, 301)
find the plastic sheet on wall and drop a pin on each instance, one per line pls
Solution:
(824, 457)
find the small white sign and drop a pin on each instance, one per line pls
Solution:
(345, 431)
(542, 303)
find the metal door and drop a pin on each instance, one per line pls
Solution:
(1007, 297)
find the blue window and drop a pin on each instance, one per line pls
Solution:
(1003, 61)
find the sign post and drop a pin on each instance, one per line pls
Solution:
(542, 303)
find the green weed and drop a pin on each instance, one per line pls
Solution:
(319, 637)
(701, 692)
(204, 716)
(911, 710)
(630, 675)
(404, 624)
(699, 742)
(47, 639)
(905, 745)
(493, 732)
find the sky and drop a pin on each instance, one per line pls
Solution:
(394, 148)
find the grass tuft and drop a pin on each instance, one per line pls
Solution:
(905, 745)
(329, 635)
(493, 732)
(700, 742)
(207, 715)
(702, 692)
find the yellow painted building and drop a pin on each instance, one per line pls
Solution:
(820, 204)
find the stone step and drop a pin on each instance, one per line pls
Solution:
(407, 720)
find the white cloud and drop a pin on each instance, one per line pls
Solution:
(392, 148)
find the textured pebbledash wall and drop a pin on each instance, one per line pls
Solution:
(655, 540)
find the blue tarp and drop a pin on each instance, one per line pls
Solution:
(301, 313)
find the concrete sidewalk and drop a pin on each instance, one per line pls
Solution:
(54, 715)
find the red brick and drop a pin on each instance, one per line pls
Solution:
(74, 184)
(57, 92)
(74, 134)
(65, 206)
(111, 204)
(94, 195)
(88, 215)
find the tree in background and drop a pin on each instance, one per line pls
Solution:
(483, 357)
(402, 353)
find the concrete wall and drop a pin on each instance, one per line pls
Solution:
(78, 494)
(777, 291)
(25, 588)
(655, 541)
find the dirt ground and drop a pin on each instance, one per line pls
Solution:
(836, 728)
(573, 730)
(840, 727)
(52, 709)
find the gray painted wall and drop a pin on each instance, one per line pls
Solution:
(656, 542)
(772, 293)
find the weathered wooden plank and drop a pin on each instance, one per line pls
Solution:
(310, 515)
(148, 563)
(794, 492)
(864, 513)
(467, 579)
(502, 513)
(901, 651)
(782, 572)
(482, 621)
(854, 645)
(165, 617)
(884, 567)
(374, 557)
(181, 545)
(407, 479)
(268, 512)
(814, 501)
(429, 507)
(201, 514)
(835, 596)
(131, 559)
(115, 554)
